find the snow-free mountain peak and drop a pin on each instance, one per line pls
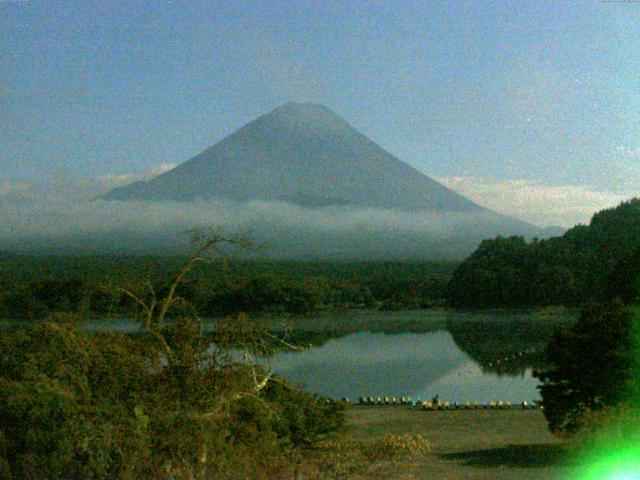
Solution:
(302, 153)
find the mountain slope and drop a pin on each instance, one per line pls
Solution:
(304, 154)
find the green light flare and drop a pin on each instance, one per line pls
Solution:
(613, 465)
(614, 453)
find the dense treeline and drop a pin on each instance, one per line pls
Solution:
(33, 287)
(586, 263)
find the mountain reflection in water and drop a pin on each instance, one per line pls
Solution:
(416, 364)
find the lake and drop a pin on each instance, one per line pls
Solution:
(419, 365)
(460, 356)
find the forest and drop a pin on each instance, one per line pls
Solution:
(32, 287)
(598, 261)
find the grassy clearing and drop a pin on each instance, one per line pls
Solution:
(403, 443)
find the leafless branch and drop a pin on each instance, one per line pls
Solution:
(282, 341)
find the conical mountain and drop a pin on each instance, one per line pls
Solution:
(304, 154)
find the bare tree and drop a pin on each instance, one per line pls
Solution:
(210, 244)
(207, 242)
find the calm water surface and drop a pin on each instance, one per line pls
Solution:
(419, 365)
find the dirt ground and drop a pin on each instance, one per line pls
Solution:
(465, 444)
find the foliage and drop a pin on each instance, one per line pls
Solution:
(67, 403)
(79, 406)
(592, 366)
(615, 426)
(569, 270)
(34, 287)
(158, 405)
(624, 281)
(393, 447)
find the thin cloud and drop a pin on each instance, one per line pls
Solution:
(629, 153)
(118, 180)
(64, 192)
(14, 187)
(289, 231)
(545, 205)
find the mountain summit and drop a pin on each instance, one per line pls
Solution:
(301, 153)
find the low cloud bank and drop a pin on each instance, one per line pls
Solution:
(59, 217)
(97, 226)
(119, 180)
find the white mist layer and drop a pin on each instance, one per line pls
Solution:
(56, 218)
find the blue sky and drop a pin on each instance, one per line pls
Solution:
(533, 99)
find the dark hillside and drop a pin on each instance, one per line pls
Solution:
(588, 261)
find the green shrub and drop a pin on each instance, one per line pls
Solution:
(392, 447)
(78, 406)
